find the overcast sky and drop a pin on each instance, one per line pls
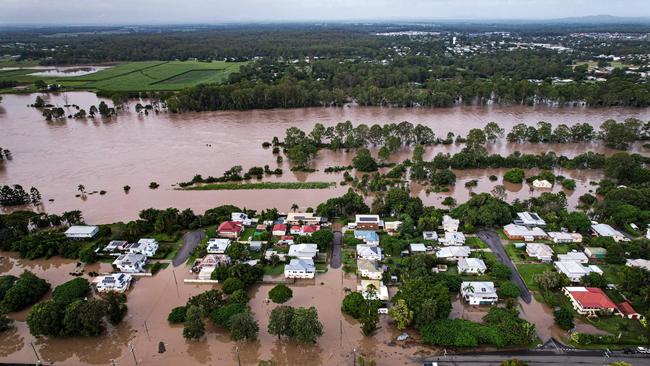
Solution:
(214, 11)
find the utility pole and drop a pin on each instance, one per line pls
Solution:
(133, 353)
(146, 329)
(38, 359)
(112, 362)
(354, 356)
(238, 360)
(176, 282)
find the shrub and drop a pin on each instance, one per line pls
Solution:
(231, 285)
(70, 291)
(177, 315)
(280, 294)
(515, 175)
(509, 290)
(222, 315)
(27, 290)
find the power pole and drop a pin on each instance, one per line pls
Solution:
(238, 360)
(176, 283)
(112, 362)
(133, 353)
(147, 329)
(38, 359)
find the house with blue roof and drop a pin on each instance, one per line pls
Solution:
(368, 236)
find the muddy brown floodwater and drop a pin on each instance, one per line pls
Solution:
(135, 150)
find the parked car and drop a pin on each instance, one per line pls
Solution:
(628, 350)
(643, 350)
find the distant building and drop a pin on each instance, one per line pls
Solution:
(479, 293)
(520, 232)
(449, 224)
(368, 222)
(564, 238)
(590, 301)
(300, 268)
(307, 230)
(529, 219)
(286, 240)
(303, 251)
(453, 254)
(380, 290)
(230, 229)
(417, 248)
(540, 252)
(368, 236)
(130, 263)
(608, 231)
(595, 253)
(453, 239)
(365, 251)
(391, 227)
(430, 235)
(217, 245)
(148, 247)
(118, 282)
(205, 273)
(279, 229)
(474, 266)
(639, 263)
(573, 270)
(255, 245)
(115, 246)
(81, 232)
(215, 260)
(268, 255)
(300, 218)
(573, 256)
(240, 217)
(542, 184)
(369, 269)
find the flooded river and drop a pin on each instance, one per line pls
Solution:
(135, 150)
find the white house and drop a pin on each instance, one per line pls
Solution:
(300, 268)
(381, 291)
(147, 247)
(119, 282)
(417, 248)
(640, 263)
(368, 252)
(130, 263)
(391, 227)
(521, 232)
(206, 273)
(573, 256)
(369, 269)
(299, 218)
(240, 217)
(529, 219)
(115, 245)
(542, 184)
(303, 251)
(564, 238)
(430, 235)
(608, 231)
(479, 293)
(574, 270)
(471, 266)
(270, 253)
(455, 238)
(218, 245)
(81, 232)
(368, 222)
(453, 254)
(540, 252)
(449, 224)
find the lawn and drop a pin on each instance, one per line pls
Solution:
(631, 330)
(273, 271)
(475, 242)
(517, 255)
(260, 185)
(528, 272)
(248, 232)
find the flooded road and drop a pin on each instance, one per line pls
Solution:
(150, 301)
(135, 150)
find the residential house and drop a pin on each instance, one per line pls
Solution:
(147, 247)
(590, 301)
(307, 230)
(542, 184)
(640, 263)
(286, 240)
(300, 268)
(130, 263)
(474, 266)
(564, 238)
(279, 230)
(118, 282)
(261, 228)
(365, 251)
(453, 254)
(573, 270)
(369, 269)
(449, 224)
(380, 290)
(391, 227)
(430, 235)
(215, 260)
(115, 246)
(230, 229)
(81, 232)
(300, 218)
(303, 251)
(368, 222)
(627, 311)
(205, 273)
(268, 255)
(417, 248)
(520, 232)
(255, 246)
(455, 239)
(241, 218)
(217, 245)
(608, 231)
(295, 230)
(479, 292)
(529, 219)
(540, 252)
(573, 256)
(595, 253)
(369, 237)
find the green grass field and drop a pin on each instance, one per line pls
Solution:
(137, 76)
(528, 272)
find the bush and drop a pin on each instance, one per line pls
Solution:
(5, 284)
(231, 285)
(509, 290)
(222, 315)
(515, 175)
(177, 315)
(280, 294)
(70, 291)
(27, 290)
(564, 318)
(243, 327)
(353, 304)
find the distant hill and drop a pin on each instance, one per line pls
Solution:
(602, 19)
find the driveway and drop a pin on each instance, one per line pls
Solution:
(191, 240)
(337, 247)
(492, 239)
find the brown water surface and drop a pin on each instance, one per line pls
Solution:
(134, 150)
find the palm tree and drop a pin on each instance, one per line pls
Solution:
(294, 207)
(469, 288)
(81, 189)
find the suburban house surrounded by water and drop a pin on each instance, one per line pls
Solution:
(479, 292)
(81, 232)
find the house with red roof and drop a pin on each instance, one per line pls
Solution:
(230, 229)
(309, 229)
(590, 301)
(627, 311)
(279, 229)
(286, 240)
(295, 230)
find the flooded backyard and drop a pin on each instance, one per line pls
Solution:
(135, 150)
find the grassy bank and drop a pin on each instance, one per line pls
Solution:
(261, 185)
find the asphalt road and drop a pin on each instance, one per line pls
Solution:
(494, 242)
(337, 248)
(191, 240)
(539, 358)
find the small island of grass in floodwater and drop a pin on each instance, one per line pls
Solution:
(261, 185)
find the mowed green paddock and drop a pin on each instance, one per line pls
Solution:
(140, 76)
